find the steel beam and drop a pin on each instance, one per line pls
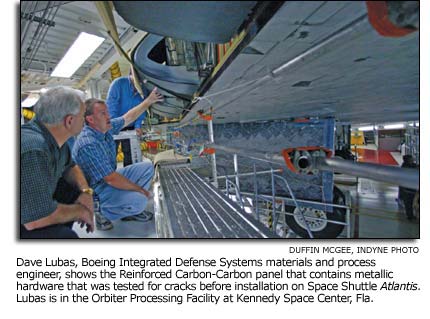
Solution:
(213, 156)
(406, 177)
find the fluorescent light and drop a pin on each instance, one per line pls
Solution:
(30, 100)
(417, 124)
(366, 128)
(80, 50)
(393, 126)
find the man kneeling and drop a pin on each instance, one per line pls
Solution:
(123, 193)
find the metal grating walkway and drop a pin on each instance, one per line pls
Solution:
(192, 208)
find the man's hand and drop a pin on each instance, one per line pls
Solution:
(86, 218)
(135, 112)
(139, 132)
(148, 194)
(154, 97)
(64, 214)
(87, 214)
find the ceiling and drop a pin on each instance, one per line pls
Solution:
(48, 28)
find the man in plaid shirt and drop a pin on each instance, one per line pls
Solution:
(123, 193)
(54, 192)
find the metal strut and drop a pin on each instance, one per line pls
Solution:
(406, 177)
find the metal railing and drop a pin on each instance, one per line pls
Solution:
(273, 198)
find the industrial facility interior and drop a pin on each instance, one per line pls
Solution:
(280, 119)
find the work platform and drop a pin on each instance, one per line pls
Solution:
(188, 207)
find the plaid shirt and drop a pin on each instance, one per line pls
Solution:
(95, 152)
(42, 165)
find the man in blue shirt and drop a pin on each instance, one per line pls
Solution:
(123, 192)
(122, 97)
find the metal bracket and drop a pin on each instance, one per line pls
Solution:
(301, 160)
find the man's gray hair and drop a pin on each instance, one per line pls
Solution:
(56, 103)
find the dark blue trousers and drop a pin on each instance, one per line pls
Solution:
(54, 231)
(65, 194)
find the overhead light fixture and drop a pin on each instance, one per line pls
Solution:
(30, 100)
(77, 54)
(366, 128)
(394, 126)
(417, 124)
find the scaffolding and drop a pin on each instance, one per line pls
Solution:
(278, 204)
(412, 141)
(275, 215)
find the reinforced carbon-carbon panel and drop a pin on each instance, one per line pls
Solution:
(270, 137)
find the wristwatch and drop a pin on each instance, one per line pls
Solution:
(88, 191)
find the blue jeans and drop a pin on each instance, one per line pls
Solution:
(117, 203)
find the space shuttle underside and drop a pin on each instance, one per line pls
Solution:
(255, 89)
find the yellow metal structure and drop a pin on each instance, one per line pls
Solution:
(28, 114)
(357, 138)
(225, 50)
(143, 146)
(115, 71)
(120, 154)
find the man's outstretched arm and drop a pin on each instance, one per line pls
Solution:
(135, 112)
